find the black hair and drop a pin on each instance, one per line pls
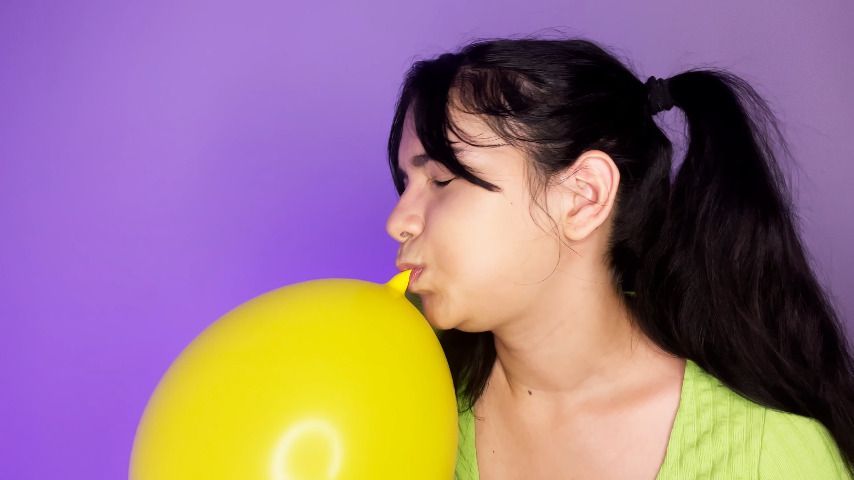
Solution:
(713, 255)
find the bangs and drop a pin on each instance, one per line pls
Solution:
(428, 92)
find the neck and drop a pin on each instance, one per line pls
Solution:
(571, 356)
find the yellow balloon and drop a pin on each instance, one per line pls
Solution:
(326, 379)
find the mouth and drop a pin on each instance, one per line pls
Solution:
(413, 277)
(415, 273)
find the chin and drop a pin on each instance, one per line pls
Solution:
(438, 324)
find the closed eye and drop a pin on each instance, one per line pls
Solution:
(442, 184)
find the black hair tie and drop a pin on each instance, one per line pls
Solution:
(658, 95)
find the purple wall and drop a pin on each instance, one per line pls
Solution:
(162, 163)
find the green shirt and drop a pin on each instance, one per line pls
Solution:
(718, 434)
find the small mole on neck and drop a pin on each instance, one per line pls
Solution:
(529, 392)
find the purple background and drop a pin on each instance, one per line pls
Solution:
(163, 162)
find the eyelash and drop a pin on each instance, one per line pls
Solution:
(436, 182)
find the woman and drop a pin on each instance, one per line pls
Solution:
(600, 320)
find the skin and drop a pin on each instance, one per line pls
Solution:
(576, 391)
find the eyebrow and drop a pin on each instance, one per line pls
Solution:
(421, 159)
(418, 161)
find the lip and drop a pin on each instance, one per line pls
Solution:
(407, 266)
(416, 271)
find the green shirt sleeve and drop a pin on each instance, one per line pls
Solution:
(798, 447)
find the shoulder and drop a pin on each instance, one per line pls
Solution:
(795, 446)
(726, 435)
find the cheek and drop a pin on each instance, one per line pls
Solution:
(483, 253)
(474, 243)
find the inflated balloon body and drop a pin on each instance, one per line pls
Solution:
(327, 379)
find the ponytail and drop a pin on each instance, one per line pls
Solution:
(727, 283)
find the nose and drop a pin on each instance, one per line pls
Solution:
(405, 221)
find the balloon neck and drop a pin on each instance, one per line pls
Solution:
(399, 282)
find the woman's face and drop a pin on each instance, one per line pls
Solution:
(485, 260)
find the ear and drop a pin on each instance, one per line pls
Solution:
(587, 191)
